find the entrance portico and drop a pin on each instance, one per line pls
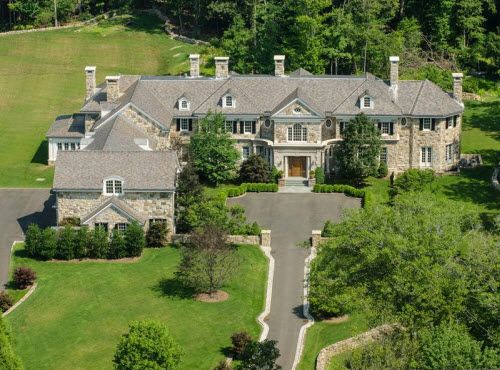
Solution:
(297, 166)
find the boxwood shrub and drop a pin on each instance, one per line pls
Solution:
(252, 187)
(346, 189)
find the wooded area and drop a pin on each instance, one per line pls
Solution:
(322, 36)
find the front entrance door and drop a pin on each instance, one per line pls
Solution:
(296, 166)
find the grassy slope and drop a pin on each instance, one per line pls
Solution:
(41, 76)
(77, 314)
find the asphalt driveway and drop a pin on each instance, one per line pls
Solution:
(291, 217)
(18, 209)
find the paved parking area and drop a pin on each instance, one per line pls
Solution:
(291, 217)
(18, 209)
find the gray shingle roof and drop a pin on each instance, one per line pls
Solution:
(145, 170)
(69, 126)
(118, 205)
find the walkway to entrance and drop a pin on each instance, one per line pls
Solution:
(291, 217)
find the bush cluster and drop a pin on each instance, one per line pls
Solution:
(412, 180)
(8, 359)
(382, 171)
(319, 174)
(6, 301)
(24, 277)
(348, 190)
(239, 341)
(328, 229)
(157, 235)
(69, 243)
(252, 187)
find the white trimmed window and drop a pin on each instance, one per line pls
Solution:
(449, 122)
(449, 153)
(297, 133)
(73, 146)
(385, 128)
(66, 146)
(103, 225)
(247, 127)
(366, 102)
(184, 124)
(426, 156)
(228, 101)
(59, 146)
(245, 152)
(426, 123)
(121, 227)
(228, 126)
(383, 154)
(113, 187)
(183, 104)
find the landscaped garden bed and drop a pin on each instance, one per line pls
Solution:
(79, 310)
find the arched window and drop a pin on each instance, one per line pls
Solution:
(297, 133)
(113, 186)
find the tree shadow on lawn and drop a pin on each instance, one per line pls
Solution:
(484, 117)
(172, 287)
(142, 22)
(474, 186)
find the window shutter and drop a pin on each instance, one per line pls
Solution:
(254, 127)
(446, 124)
(190, 124)
(235, 127)
(433, 124)
(455, 119)
(178, 124)
(341, 127)
(421, 124)
(391, 128)
(379, 126)
(242, 127)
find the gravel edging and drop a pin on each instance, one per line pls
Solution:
(269, 292)
(310, 319)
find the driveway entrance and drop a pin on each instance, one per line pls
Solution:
(291, 217)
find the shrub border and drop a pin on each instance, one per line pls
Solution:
(257, 187)
(348, 190)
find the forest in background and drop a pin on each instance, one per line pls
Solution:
(432, 37)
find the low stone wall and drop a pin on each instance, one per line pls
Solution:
(317, 239)
(494, 178)
(264, 239)
(347, 345)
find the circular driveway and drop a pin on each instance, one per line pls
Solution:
(291, 217)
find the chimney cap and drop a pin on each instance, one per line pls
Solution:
(394, 58)
(457, 75)
(112, 78)
(90, 68)
(221, 58)
(194, 56)
(279, 57)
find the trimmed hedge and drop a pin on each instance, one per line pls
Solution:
(252, 187)
(347, 190)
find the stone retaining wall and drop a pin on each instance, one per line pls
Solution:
(317, 239)
(264, 239)
(347, 345)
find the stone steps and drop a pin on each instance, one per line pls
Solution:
(295, 182)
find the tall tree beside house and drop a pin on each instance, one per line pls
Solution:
(359, 152)
(134, 239)
(208, 260)
(189, 191)
(212, 149)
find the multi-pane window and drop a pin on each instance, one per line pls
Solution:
(449, 152)
(385, 128)
(245, 152)
(59, 146)
(184, 104)
(157, 221)
(343, 126)
(229, 101)
(367, 102)
(426, 156)
(449, 122)
(114, 187)
(426, 124)
(228, 126)
(184, 124)
(297, 133)
(383, 155)
(121, 227)
(73, 146)
(103, 225)
(66, 146)
(247, 127)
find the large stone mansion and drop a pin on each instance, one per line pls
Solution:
(114, 161)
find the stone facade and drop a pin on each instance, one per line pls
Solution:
(151, 205)
(161, 135)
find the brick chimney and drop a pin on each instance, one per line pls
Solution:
(112, 88)
(279, 65)
(90, 84)
(394, 60)
(194, 70)
(457, 86)
(221, 67)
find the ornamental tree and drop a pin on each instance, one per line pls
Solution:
(147, 345)
(255, 169)
(260, 355)
(358, 154)
(212, 149)
(134, 240)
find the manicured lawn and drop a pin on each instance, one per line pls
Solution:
(77, 314)
(322, 334)
(41, 77)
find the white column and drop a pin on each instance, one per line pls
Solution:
(285, 162)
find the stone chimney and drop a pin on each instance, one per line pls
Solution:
(90, 84)
(279, 65)
(221, 67)
(394, 60)
(112, 88)
(194, 70)
(457, 86)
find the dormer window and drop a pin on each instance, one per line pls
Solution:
(183, 104)
(367, 102)
(228, 101)
(113, 187)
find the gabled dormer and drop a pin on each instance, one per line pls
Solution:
(366, 100)
(228, 99)
(183, 103)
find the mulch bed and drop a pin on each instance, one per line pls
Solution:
(217, 296)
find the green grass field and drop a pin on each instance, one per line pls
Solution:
(41, 77)
(78, 312)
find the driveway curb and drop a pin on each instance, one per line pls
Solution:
(310, 322)
(269, 294)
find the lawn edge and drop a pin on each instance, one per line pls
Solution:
(21, 300)
(269, 293)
